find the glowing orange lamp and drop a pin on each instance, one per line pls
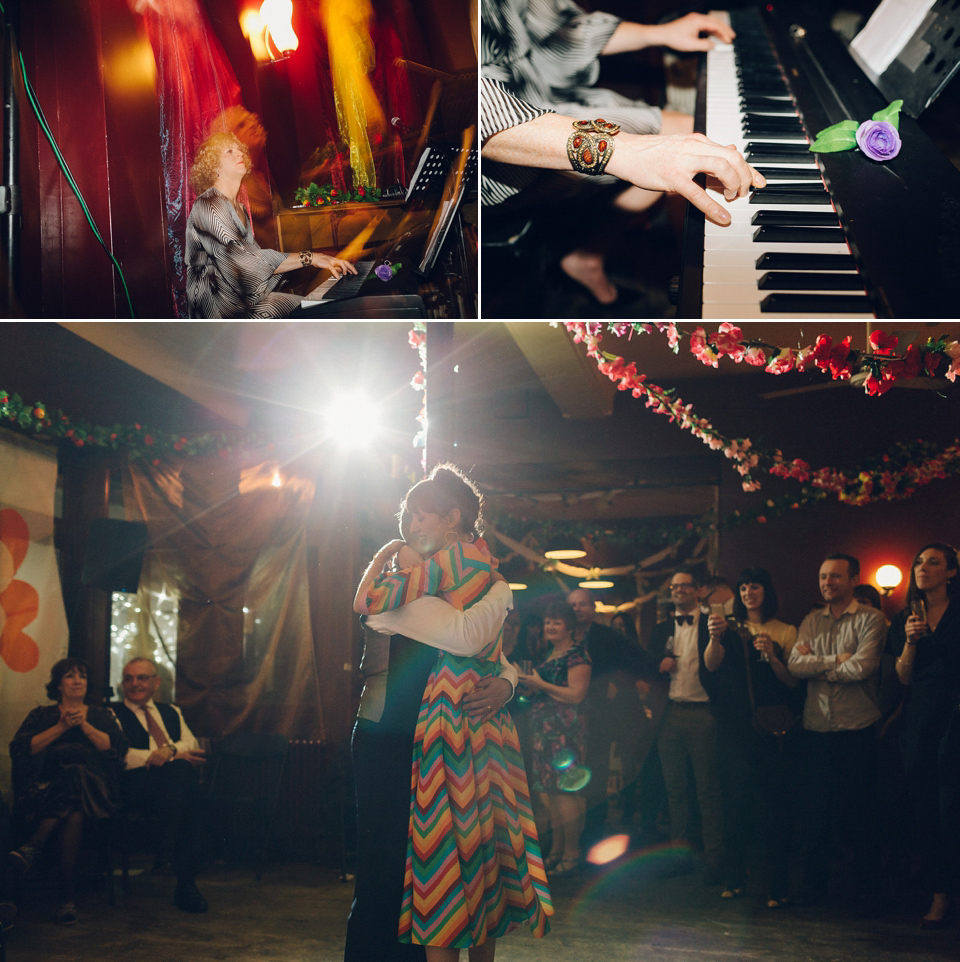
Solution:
(888, 577)
(277, 19)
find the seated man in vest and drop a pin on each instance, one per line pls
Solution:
(162, 774)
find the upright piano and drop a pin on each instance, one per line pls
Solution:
(832, 235)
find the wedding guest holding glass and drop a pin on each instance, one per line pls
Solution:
(925, 638)
(558, 720)
(777, 758)
(66, 768)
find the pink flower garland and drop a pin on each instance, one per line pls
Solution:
(858, 488)
(884, 364)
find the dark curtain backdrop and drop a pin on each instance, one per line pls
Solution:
(233, 546)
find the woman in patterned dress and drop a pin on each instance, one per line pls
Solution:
(474, 870)
(559, 728)
(228, 273)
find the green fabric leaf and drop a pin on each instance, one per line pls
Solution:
(890, 114)
(831, 140)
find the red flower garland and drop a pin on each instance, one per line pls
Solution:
(861, 487)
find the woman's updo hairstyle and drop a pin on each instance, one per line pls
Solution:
(446, 488)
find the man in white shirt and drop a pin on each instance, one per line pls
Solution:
(161, 774)
(838, 652)
(688, 732)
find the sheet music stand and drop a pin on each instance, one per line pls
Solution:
(926, 62)
(433, 174)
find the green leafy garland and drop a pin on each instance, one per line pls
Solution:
(328, 195)
(137, 441)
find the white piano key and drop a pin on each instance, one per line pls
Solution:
(742, 309)
(730, 253)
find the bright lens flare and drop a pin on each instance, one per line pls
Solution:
(609, 850)
(353, 420)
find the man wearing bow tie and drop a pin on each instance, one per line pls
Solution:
(688, 731)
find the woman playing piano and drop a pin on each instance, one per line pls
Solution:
(540, 64)
(228, 273)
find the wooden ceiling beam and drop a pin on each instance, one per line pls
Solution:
(570, 377)
(133, 345)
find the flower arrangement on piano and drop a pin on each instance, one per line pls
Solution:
(329, 196)
(878, 137)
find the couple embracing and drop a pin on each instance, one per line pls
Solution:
(447, 849)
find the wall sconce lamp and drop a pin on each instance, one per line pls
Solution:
(887, 578)
(564, 554)
(599, 583)
(270, 30)
(517, 586)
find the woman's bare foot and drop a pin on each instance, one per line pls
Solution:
(587, 268)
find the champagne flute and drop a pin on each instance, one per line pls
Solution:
(918, 609)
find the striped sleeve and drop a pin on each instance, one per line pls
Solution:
(500, 110)
(391, 591)
(228, 273)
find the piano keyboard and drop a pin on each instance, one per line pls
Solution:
(784, 252)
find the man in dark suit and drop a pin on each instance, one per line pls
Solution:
(688, 732)
(161, 774)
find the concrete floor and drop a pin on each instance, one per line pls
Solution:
(633, 911)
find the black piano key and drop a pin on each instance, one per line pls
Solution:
(786, 173)
(771, 133)
(762, 86)
(816, 304)
(771, 197)
(759, 154)
(777, 260)
(799, 235)
(768, 105)
(775, 123)
(790, 281)
(783, 150)
(795, 218)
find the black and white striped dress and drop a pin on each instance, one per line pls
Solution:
(228, 273)
(541, 56)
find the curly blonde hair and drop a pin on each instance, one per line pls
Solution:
(206, 161)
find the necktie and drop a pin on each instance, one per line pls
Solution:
(156, 732)
(684, 619)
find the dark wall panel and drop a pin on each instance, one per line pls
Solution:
(93, 78)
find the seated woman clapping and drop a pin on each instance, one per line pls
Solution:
(66, 767)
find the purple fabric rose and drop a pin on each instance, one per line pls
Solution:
(383, 271)
(878, 139)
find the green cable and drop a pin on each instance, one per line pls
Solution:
(68, 174)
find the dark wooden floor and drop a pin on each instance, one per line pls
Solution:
(632, 911)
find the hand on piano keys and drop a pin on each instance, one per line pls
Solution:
(689, 34)
(670, 164)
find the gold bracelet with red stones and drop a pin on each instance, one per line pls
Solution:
(590, 146)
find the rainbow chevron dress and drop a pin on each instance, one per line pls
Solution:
(474, 870)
